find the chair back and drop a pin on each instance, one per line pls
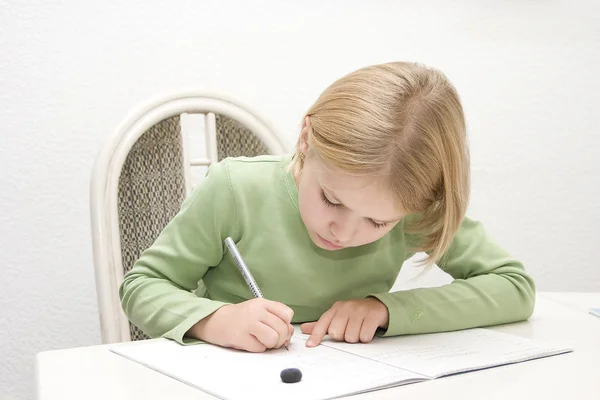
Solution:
(143, 174)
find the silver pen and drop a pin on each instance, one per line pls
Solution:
(241, 265)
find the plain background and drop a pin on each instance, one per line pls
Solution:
(70, 71)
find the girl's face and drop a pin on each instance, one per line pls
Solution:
(340, 210)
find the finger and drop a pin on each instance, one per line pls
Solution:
(265, 334)
(251, 344)
(277, 325)
(281, 310)
(308, 327)
(353, 329)
(337, 326)
(368, 329)
(291, 333)
(320, 329)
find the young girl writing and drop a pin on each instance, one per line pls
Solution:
(381, 171)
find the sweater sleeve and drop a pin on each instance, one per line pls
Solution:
(489, 288)
(156, 295)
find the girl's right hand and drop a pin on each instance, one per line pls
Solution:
(254, 325)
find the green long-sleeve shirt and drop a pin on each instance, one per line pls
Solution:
(187, 273)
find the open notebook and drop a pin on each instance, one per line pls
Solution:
(333, 369)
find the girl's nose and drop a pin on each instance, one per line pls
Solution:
(343, 230)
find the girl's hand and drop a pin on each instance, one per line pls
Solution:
(350, 321)
(253, 325)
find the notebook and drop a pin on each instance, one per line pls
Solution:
(333, 369)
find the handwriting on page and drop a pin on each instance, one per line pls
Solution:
(233, 374)
(439, 354)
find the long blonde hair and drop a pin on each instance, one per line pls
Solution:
(404, 121)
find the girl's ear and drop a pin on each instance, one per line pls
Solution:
(305, 122)
(304, 134)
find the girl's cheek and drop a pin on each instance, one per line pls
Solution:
(317, 212)
(312, 208)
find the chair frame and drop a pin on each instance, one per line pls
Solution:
(106, 239)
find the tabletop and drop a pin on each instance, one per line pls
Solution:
(96, 373)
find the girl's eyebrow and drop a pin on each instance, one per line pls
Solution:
(330, 194)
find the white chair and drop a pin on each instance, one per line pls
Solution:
(142, 175)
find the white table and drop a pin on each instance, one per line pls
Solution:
(576, 301)
(96, 373)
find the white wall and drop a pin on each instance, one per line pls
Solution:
(71, 70)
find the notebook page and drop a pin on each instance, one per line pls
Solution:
(438, 354)
(232, 374)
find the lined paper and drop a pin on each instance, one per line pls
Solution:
(333, 369)
(232, 374)
(438, 354)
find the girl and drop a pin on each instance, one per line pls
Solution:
(381, 171)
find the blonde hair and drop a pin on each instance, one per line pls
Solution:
(404, 121)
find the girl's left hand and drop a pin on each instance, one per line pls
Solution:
(350, 321)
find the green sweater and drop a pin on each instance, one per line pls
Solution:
(187, 273)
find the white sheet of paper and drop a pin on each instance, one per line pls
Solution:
(438, 354)
(232, 374)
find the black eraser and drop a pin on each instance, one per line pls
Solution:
(291, 375)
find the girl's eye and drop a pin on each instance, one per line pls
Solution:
(328, 203)
(326, 200)
(378, 224)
